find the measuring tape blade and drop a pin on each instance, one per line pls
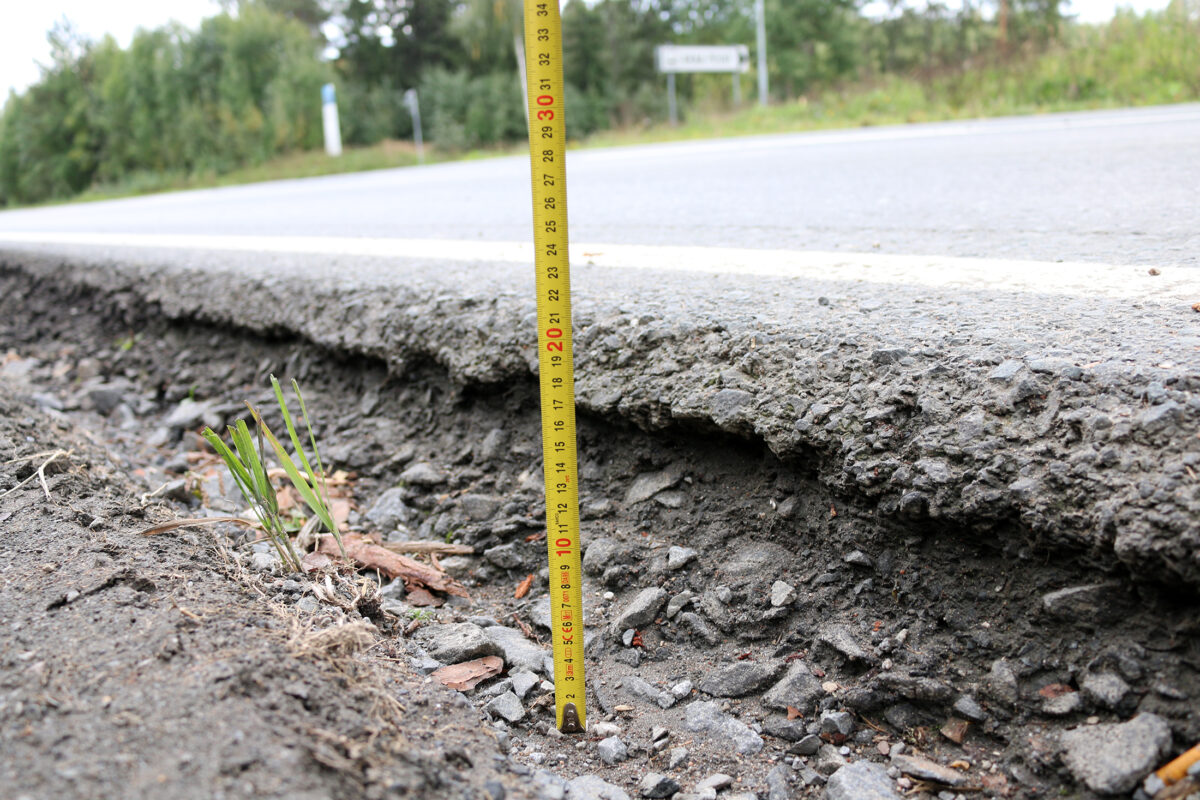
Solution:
(556, 368)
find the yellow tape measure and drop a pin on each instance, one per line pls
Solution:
(556, 368)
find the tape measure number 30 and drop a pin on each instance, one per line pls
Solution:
(556, 368)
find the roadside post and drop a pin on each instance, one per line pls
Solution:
(329, 117)
(672, 59)
(556, 368)
(414, 108)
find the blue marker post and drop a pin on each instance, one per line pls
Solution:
(329, 116)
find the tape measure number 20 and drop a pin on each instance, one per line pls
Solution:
(556, 368)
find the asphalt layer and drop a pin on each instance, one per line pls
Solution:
(1067, 414)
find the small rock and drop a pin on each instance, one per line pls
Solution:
(505, 556)
(1002, 682)
(1062, 705)
(840, 638)
(861, 780)
(423, 474)
(678, 603)
(967, 706)
(681, 689)
(791, 729)
(518, 652)
(189, 414)
(456, 642)
(1104, 689)
(264, 562)
(740, 679)
(777, 783)
(680, 557)
(717, 781)
(798, 688)
(655, 785)
(480, 507)
(640, 688)
(782, 594)
(858, 558)
(523, 681)
(606, 729)
(389, 511)
(829, 760)
(593, 787)
(927, 770)
(642, 610)
(506, 707)
(707, 716)
(1112, 759)
(612, 750)
(808, 746)
(627, 637)
(678, 756)
(601, 554)
(649, 484)
(670, 499)
(1081, 603)
(838, 722)
(699, 628)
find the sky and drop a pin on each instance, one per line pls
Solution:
(23, 32)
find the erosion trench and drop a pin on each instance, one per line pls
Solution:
(759, 624)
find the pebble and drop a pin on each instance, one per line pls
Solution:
(777, 783)
(858, 558)
(1112, 759)
(593, 787)
(1104, 689)
(507, 706)
(640, 688)
(1062, 705)
(627, 637)
(612, 750)
(717, 781)
(522, 682)
(680, 557)
(682, 689)
(264, 562)
(389, 511)
(423, 474)
(808, 746)
(740, 678)
(967, 706)
(861, 781)
(798, 689)
(606, 729)
(837, 722)
(1002, 682)
(642, 610)
(1085, 603)
(923, 768)
(841, 639)
(657, 785)
(707, 716)
(648, 484)
(455, 642)
(308, 604)
(829, 760)
(678, 603)
(724, 594)
(678, 756)
(782, 594)
(518, 652)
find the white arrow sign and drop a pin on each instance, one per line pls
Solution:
(702, 58)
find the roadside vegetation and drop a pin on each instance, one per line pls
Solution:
(238, 100)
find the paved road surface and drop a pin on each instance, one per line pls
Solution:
(1120, 187)
(988, 324)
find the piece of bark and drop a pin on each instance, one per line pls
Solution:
(373, 556)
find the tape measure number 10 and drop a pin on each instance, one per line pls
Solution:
(556, 368)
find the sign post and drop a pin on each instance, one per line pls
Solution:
(329, 116)
(674, 58)
(414, 108)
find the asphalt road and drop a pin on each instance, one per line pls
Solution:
(1120, 187)
(989, 324)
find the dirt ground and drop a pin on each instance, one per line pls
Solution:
(186, 664)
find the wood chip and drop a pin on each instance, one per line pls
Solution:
(469, 674)
(955, 730)
(794, 713)
(367, 553)
(523, 587)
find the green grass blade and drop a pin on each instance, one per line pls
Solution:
(313, 441)
(302, 486)
(291, 429)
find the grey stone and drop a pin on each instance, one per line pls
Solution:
(507, 707)
(505, 556)
(1006, 371)
(861, 780)
(680, 557)
(727, 405)
(798, 688)
(642, 609)
(841, 639)
(522, 681)
(782, 594)
(699, 627)
(1080, 603)
(423, 474)
(783, 728)
(678, 603)
(807, 746)
(480, 507)
(858, 558)
(829, 760)
(593, 787)
(1161, 417)
(741, 678)
(601, 554)
(777, 783)
(681, 689)
(548, 786)
(928, 770)
(717, 781)
(657, 785)
(489, 448)
(455, 642)
(640, 688)
(518, 652)
(1112, 759)
(679, 755)
(264, 562)
(840, 722)
(967, 706)
(671, 499)
(612, 750)
(649, 484)
(1062, 705)
(1002, 683)
(389, 511)
(1104, 689)
(707, 716)
(189, 414)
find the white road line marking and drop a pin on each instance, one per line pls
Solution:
(936, 272)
